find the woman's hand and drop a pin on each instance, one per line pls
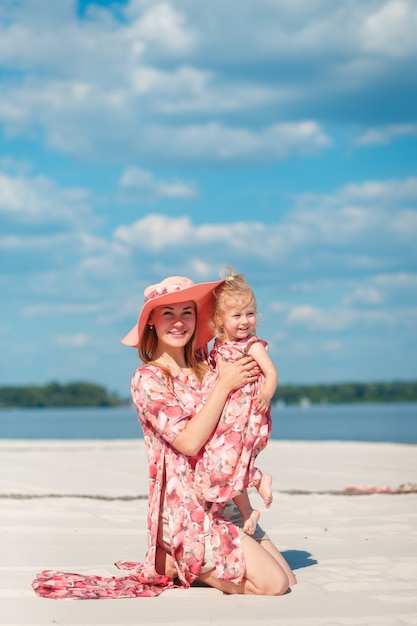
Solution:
(236, 374)
(198, 429)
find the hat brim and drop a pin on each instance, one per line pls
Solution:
(201, 294)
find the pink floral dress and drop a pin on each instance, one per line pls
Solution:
(226, 465)
(163, 410)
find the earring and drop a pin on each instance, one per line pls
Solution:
(150, 326)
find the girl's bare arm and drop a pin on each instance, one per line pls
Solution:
(261, 356)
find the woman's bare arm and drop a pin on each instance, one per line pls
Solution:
(231, 376)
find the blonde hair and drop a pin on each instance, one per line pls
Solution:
(234, 291)
(149, 342)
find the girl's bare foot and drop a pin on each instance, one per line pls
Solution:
(264, 488)
(249, 523)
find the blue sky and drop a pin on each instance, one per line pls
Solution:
(141, 139)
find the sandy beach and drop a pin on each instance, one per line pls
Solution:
(81, 505)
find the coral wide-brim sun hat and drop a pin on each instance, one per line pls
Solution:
(172, 290)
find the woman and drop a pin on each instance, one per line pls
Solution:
(187, 538)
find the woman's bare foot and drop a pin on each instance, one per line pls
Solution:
(249, 523)
(264, 488)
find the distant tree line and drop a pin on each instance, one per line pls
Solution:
(347, 392)
(84, 394)
(56, 395)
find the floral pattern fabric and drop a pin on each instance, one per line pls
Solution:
(226, 465)
(60, 585)
(163, 410)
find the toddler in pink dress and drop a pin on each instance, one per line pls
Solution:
(226, 467)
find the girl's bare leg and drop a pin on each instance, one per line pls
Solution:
(264, 574)
(264, 488)
(249, 515)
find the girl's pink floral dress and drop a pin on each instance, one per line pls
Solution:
(163, 410)
(226, 465)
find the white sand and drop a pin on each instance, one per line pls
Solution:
(355, 557)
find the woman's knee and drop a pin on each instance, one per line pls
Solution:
(263, 570)
(276, 585)
(281, 585)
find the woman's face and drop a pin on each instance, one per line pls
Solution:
(174, 324)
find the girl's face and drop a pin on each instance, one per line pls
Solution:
(174, 324)
(238, 320)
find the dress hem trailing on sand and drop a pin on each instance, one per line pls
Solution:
(59, 585)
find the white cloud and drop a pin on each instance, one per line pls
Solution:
(70, 341)
(38, 200)
(397, 280)
(136, 123)
(365, 295)
(215, 142)
(156, 232)
(322, 239)
(174, 90)
(10, 165)
(139, 76)
(279, 307)
(381, 190)
(143, 182)
(390, 29)
(161, 25)
(338, 319)
(385, 192)
(332, 346)
(383, 290)
(386, 134)
(323, 234)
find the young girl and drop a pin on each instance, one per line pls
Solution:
(185, 542)
(226, 467)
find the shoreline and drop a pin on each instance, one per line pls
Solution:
(296, 466)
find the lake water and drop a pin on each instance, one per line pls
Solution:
(393, 422)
